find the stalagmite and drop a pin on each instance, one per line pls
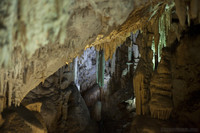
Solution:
(160, 88)
(97, 111)
(138, 86)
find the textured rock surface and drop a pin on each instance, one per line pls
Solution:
(142, 75)
(161, 104)
(144, 124)
(78, 117)
(87, 69)
(92, 95)
(43, 36)
(63, 109)
(186, 67)
(34, 106)
(21, 120)
(38, 37)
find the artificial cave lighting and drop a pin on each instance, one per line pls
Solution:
(99, 66)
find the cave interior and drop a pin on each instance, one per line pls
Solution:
(99, 66)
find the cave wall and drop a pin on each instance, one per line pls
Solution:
(61, 105)
(87, 69)
(38, 37)
(173, 62)
(186, 78)
(185, 67)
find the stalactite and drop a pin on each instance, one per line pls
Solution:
(130, 50)
(188, 14)
(135, 49)
(156, 40)
(153, 49)
(194, 5)
(161, 27)
(76, 73)
(10, 88)
(118, 66)
(162, 32)
(181, 11)
(113, 63)
(2, 83)
(168, 12)
(100, 68)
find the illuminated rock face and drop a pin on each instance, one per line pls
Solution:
(161, 104)
(62, 109)
(38, 37)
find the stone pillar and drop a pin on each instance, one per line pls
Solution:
(138, 86)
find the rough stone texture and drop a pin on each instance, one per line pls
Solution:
(38, 37)
(53, 97)
(144, 124)
(78, 117)
(87, 69)
(92, 95)
(185, 67)
(63, 109)
(142, 75)
(141, 90)
(41, 36)
(34, 106)
(118, 91)
(21, 120)
(161, 104)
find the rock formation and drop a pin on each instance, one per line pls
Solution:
(147, 48)
(161, 104)
(22, 120)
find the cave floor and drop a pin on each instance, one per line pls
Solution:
(145, 124)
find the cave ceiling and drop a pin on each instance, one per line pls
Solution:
(38, 37)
